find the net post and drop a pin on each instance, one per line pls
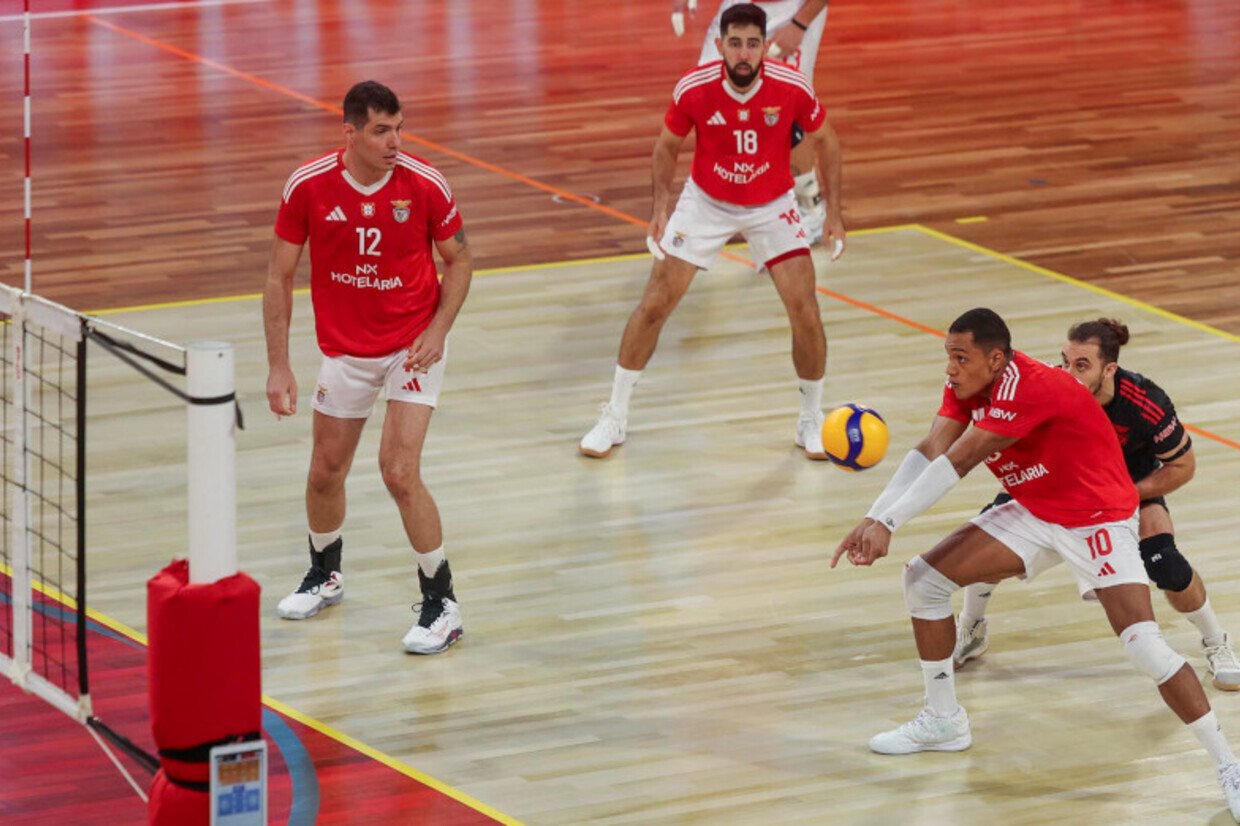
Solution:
(211, 461)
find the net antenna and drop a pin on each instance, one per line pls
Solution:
(43, 608)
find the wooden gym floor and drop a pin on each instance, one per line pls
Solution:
(657, 638)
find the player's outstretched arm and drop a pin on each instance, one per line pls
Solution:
(787, 38)
(830, 182)
(458, 273)
(663, 172)
(277, 312)
(869, 540)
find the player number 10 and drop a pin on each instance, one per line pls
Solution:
(1099, 544)
(746, 141)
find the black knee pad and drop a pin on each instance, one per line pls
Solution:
(1165, 564)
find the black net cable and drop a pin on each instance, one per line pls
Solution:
(123, 350)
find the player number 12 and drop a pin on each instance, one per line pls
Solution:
(368, 240)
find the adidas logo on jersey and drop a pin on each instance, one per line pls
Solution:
(336, 214)
(717, 119)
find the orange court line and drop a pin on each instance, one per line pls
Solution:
(623, 216)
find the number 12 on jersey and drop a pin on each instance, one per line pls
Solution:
(368, 240)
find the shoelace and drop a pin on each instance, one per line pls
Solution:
(315, 577)
(1224, 655)
(429, 610)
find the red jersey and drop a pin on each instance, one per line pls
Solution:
(372, 275)
(743, 140)
(1066, 467)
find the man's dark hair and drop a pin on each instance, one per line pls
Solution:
(988, 329)
(1111, 335)
(366, 96)
(743, 14)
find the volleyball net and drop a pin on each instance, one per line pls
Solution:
(44, 622)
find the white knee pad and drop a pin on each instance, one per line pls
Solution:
(927, 593)
(808, 196)
(1149, 652)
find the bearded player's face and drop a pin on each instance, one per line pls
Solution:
(742, 48)
(377, 143)
(1084, 361)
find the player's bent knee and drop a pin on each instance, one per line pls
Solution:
(1149, 652)
(927, 592)
(1164, 563)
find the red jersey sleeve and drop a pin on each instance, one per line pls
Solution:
(952, 407)
(813, 115)
(443, 218)
(677, 120)
(293, 219)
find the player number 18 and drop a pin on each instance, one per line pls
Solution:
(746, 141)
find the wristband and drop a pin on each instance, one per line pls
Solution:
(799, 24)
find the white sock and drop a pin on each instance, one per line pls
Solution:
(1210, 733)
(1207, 623)
(940, 686)
(319, 541)
(622, 389)
(429, 561)
(811, 396)
(976, 598)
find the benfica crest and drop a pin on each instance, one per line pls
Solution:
(400, 211)
(368, 209)
(770, 115)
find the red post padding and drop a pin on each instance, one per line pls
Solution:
(204, 680)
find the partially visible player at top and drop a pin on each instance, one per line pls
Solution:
(1049, 443)
(1159, 455)
(795, 32)
(372, 216)
(743, 109)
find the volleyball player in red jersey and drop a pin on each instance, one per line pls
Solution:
(743, 109)
(1160, 458)
(795, 29)
(371, 215)
(1049, 443)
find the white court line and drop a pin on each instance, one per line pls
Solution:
(188, 4)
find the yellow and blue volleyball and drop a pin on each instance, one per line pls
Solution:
(854, 437)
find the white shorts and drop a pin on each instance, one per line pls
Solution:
(777, 15)
(1100, 555)
(701, 226)
(348, 386)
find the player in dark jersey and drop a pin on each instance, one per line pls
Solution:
(1159, 456)
(1042, 435)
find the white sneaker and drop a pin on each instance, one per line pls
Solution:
(971, 641)
(1223, 665)
(606, 434)
(438, 626)
(927, 732)
(1229, 779)
(317, 590)
(809, 435)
